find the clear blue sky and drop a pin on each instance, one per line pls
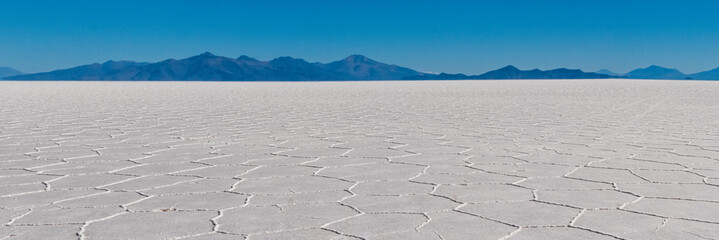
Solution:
(435, 36)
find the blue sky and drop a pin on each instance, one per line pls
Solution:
(434, 36)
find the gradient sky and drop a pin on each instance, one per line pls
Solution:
(435, 36)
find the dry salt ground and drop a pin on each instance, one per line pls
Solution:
(570, 159)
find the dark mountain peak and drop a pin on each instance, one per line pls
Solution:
(659, 68)
(536, 70)
(509, 68)
(656, 67)
(656, 72)
(288, 61)
(207, 54)
(356, 58)
(206, 59)
(358, 67)
(246, 58)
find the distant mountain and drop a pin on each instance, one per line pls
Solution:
(362, 68)
(110, 70)
(203, 67)
(295, 69)
(656, 72)
(511, 72)
(7, 72)
(608, 72)
(706, 75)
(209, 67)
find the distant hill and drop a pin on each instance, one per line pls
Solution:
(110, 70)
(362, 68)
(511, 72)
(608, 72)
(656, 72)
(209, 67)
(706, 75)
(7, 72)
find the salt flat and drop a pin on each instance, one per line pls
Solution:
(573, 159)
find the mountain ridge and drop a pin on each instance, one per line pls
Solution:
(655, 72)
(706, 75)
(659, 72)
(512, 72)
(210, 67)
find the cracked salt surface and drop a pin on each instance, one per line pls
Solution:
(584, 159)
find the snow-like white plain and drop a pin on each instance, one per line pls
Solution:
(566, 159)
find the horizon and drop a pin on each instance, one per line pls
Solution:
(451, 37)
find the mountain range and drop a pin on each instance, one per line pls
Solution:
(209, 67)
(511, 72)
(657, 72)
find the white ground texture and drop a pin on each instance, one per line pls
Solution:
(574, 159)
